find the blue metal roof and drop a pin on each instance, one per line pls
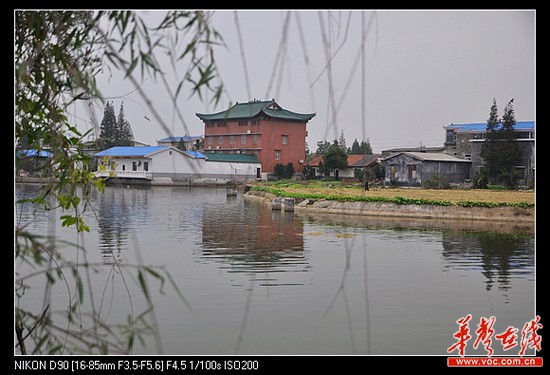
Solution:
(195, 154)
(33, 154)
(129, 151)
(186, 138)
(482, 126)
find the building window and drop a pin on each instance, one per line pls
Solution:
(285, 139)
(277, 155)
(243, 139)
(231, 139)
(209, 124)
(210, 140)
(134, 166)
(255, 122)
(220, 139)
(255, 139)
(243, 123)
(123, 167)
(221, 124)
(146, 166)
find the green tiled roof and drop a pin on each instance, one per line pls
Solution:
(231, 158)
(254, 108)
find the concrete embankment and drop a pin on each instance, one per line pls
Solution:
(416, 211)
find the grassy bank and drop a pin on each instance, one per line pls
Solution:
(336, 191)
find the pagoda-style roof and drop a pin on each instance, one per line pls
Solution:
(254, 109)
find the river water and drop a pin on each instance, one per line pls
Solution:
(234, 277)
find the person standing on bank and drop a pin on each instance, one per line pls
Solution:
(366, 185)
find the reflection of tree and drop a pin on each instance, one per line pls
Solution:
(497, 253)
(115, 212)
(254, 239)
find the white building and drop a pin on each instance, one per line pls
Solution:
(169, 165)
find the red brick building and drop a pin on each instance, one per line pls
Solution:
(263, 128)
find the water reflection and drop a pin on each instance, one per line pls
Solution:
(117, 209)
(254, 239)
(498, 256)
(499, 252)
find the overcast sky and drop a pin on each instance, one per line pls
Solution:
(422, 70)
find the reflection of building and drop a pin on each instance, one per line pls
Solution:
(497, 253)
(117, 209)
(254, 240)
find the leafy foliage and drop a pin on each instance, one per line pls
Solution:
(279, 170)
(335, 158)
(436, 182)
(370, 198)
(289, 170)
(360, 149)
(58, 54)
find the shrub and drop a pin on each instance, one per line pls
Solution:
(279, 170)
(481, 180)
(289, 170)
(436, 182)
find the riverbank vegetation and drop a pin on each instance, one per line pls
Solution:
(341, 191)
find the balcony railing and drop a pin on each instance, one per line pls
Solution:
(125, 174)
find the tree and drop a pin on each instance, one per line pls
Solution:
(124, 136)
(181, 145)
(115, 131)
(309, 172)
(335, 158)
(342, 141)
(289, 170)
(360, 149)
(58, 54)
(365, 148)
(108, 127)
(355, 148)
(512, 155)
(279, 170)
(322, 147)
(500, 150)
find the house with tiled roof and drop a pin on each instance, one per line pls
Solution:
(260, 128)
(355, 162)
(414, 168)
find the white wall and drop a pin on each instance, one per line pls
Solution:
(231, 169)
(127, 163)
(171, 161)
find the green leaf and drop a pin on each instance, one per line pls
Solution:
(68, 220)
(143, 284)
(189, 48)
(157, 276)
(132, 67)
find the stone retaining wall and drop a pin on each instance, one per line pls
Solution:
(419, 211)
